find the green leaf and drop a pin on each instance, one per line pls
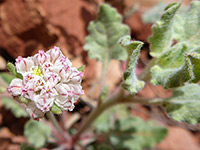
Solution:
(174, 58)
(7, 77)
(177, 64)
(56, 110)
(37, 133)
(13, 70)
(187, 26)
(26, 146)
(2, 89)
(99, 146)
(104, 34)
(24, 100)
(134, 133)
(14, 107)
(105, 122)
(122, 131)
(184, 104)
(131, 83)
(153, 14)
(81, 68)
(170, 78)
(162, 37)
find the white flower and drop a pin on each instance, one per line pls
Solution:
(24, 64)
(52, 77)
(15, 87)
(54, 53)
(38, 84)
(41, 57)
(63, 61)
(48, 90)
(48, 79)
(77, 91)
(28, 89)
(75, 75)
(33, 111)
(68, 95)
(43, 103)
(47, 67)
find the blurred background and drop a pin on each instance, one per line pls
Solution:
(27, 26)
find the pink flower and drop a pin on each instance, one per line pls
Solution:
(54, 53)
(63, 72)
(33, 111)
(24, 64)
(75, 75)
(47, 67)
(52, 77)
(63, 61)
(64, 99)
(41, 57)
(48, 90)
(48, 78)
(68, 95)
(43, 103)
(15, 87)
(38, 84)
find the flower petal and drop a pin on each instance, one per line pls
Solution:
(33, 111)
(15, 87)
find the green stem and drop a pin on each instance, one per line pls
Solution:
(117, 99)
(52, 117)
(103, 80)
(104, 74)
(145, 75)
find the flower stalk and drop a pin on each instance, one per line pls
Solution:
(119, 98)
(55, 123)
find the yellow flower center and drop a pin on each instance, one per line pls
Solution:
(37, 71)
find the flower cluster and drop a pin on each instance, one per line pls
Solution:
(48, 80)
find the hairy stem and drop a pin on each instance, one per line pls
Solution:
(117, 99)
(51, 116)
(145, 75)
(103, 80)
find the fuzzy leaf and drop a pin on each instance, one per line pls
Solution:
(24, 100)
(81, 68)
(162, 37)
(131, 83)
(173, 58)
(26, 146)
(7, 77)
(187, 26)
(184, 105)
(99, 146)
(170, 78)
(122, 131)
(13, 70)
(14, 107)
(104, 34)
(2, 89)
(178, 64)
(37, 133)
(105, 122)
(134, 133)
(56, 110)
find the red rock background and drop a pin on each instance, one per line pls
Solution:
(29, 25)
